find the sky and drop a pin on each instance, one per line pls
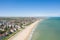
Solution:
(27, 8)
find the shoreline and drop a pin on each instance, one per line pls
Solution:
(31, 34)
(24, 34)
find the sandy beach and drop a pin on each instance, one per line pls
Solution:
(24, 34)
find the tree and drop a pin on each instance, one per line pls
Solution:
(21, 25)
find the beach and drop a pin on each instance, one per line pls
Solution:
(24, 34)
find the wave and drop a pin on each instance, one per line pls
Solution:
(30, 37)
(31, 34)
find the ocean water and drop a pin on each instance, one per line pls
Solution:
(48, 29)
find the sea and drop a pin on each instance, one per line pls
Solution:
(48, 29)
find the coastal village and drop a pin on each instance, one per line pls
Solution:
(9, 25)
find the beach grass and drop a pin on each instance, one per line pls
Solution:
(10, 35)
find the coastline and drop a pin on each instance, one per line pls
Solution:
(31, 34)
(24, 34)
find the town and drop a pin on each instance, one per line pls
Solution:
(9, 25)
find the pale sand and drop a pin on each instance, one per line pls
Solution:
(24, 34)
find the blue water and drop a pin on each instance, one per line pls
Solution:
(49, 29)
